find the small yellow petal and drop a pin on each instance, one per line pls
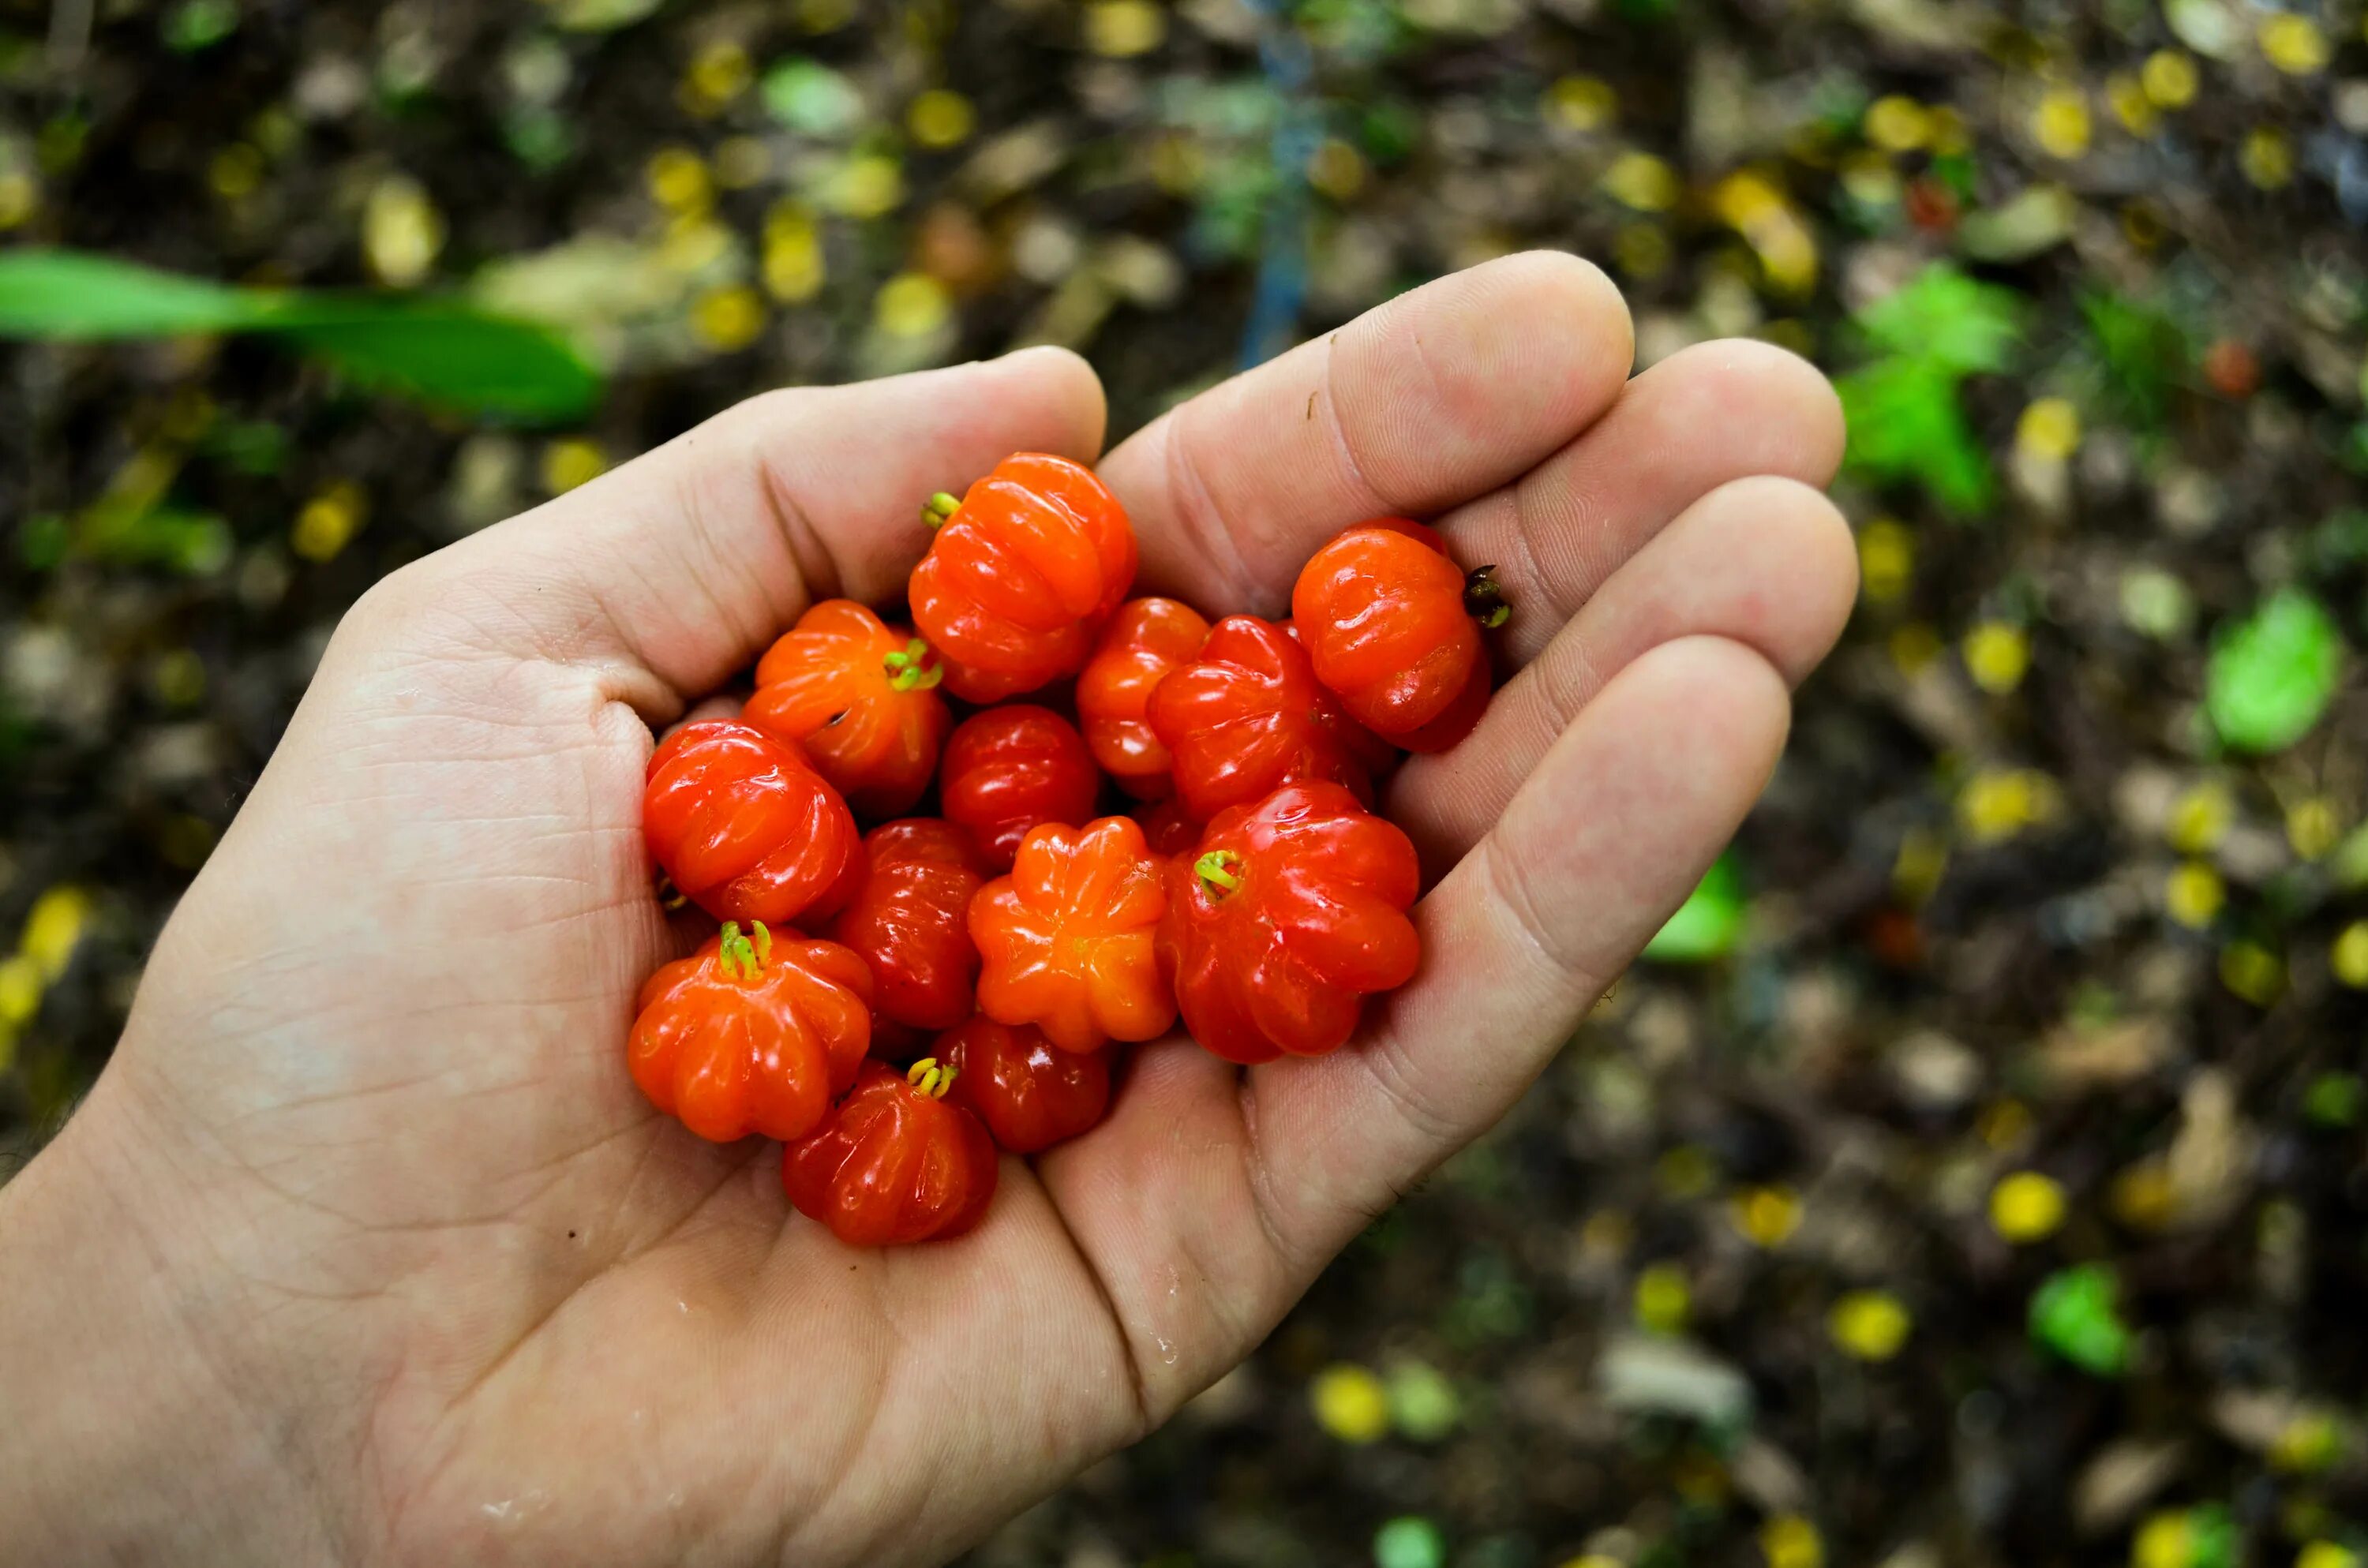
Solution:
(2026, 1207)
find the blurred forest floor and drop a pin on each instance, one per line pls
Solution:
(1977, 1176)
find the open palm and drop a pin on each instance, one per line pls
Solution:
(390, 1247)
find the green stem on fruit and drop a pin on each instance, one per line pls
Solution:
(670, 897)
(739, 957)
(1219, 870)
(937, 508)
(909, 668)
(931, 1077)
(1484, 597)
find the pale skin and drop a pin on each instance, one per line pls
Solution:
(364, 1248)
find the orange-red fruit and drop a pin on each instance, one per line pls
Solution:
(893, 1165)
(752, 1036)
(1065, 942)
(1020, 577)
(1012, 767)
(909, 920)
(1248, 716)
(744, 826)
(1144, 641)
(1380, 610)
(1030, 1094)
(859, 695)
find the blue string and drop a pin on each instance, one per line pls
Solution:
(1290, 68)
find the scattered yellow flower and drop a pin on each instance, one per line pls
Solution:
(2165, 1541)
(20, 198)
(1996, 655)
(1870, 1324)
(678, 180)
(53, 928)
(1913, 646)
(2169, 79)
(329, 522)
(718, 74)
(940, 118)
(2311, 1441)
(1598, 1559)
(694, 242)
(1869, 179)
(2253, 973)
(1336, 169)
(21, 985)
(1352, 1402)
(2311, 827)
(570, 461)
(1897, 124)
(728, 319)
(2060, 123)
(2327, 1554)
(2200, 818)
(2027, 1207)
(1641, 181)
(1756, 208)
(1767, 1215)
(1664, 1299)
(1788, 1541)
(403, 234)
(2294, 43)
(2268, 158)
(911, 304)
(2131, 105)
(2193, 894)
(1886, 560)
(2049, 429)
(868, 186)
(1582, 103)
(793, 258)
(236, 170)
(1997, 804)
(1121, 29)
(2349, 956)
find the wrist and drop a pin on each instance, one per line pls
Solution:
(124, 1440)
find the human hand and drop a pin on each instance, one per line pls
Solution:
(365, 1247)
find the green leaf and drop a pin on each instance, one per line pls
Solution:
(2074, 1314)
(198, 24)
(1944, 319)
(2145, 352)
(71, 294)
(446, 355)
(2270, 676)
(1409, 1541)
(1709, 923)
(1906, 425)
(195, 544)
(600, 16)
(442, 352)
(807, 95)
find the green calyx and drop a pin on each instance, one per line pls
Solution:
(931, 1077)
(909, 668)
(1220, 871)
(1484, 597)
(939, 507)
(741, 957)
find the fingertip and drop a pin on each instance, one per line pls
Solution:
(1769, 396)
(1802, 563)
(1071, 391)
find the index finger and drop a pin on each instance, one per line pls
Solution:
(1442, 394)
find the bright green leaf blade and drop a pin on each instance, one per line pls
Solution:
(2074, 1314)
(74, 295)
(444, 354)
(1905, 425)
(1944, 318)
(2272, 676)
(1708, 925)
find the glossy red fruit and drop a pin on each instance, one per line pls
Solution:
(1022, 573)
(859, 695)
(894, 1163)
(1288, 915)
(745, 827)
(1168, 828)
(1031, 1094)
(754, 1033)
(1145, 640)
(1248, 716)
(1008, 769)
(909, 920)
(1392, 625)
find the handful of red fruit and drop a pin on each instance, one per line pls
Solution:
(1007, 946)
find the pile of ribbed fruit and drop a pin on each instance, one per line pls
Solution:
(1005, 946)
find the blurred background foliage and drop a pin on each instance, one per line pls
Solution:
(1973, 1174)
